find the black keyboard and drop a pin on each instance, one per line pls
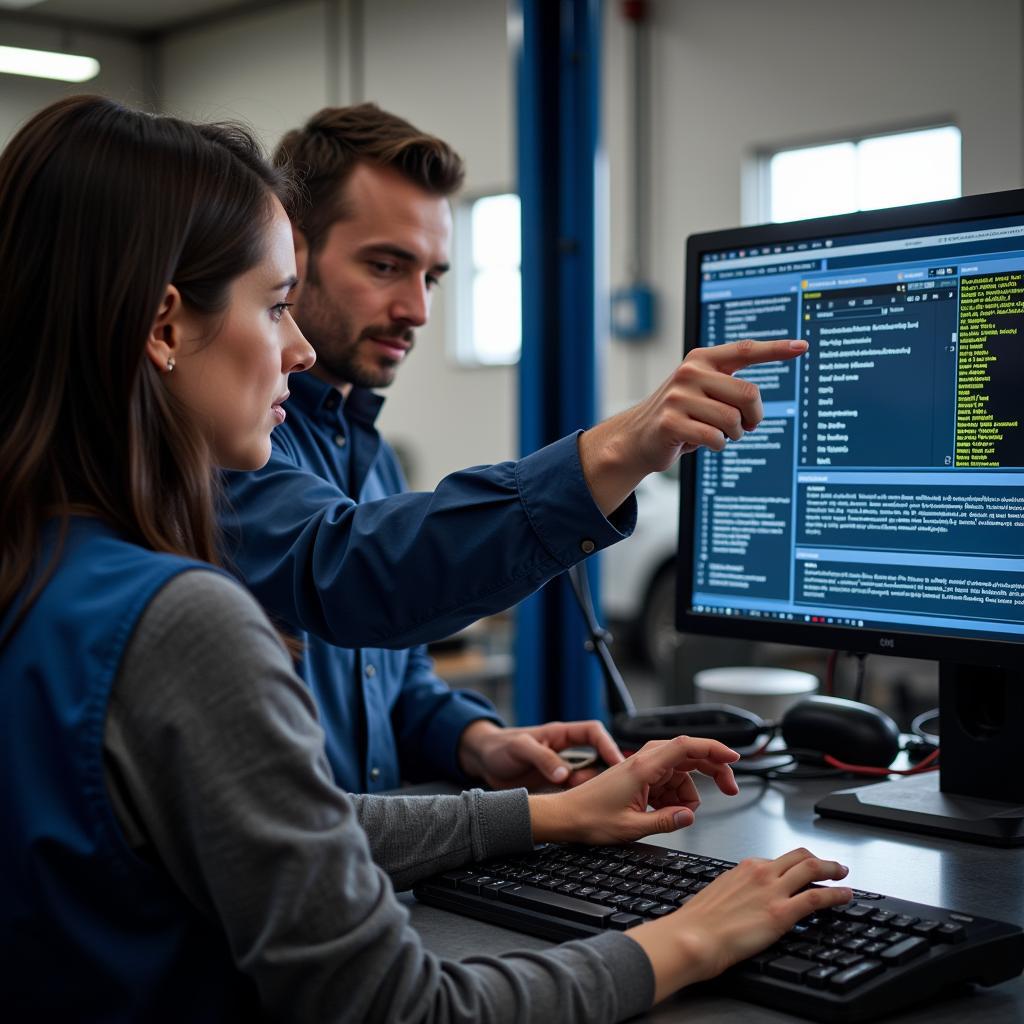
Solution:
(871, 956)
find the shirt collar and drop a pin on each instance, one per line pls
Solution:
(318, 398)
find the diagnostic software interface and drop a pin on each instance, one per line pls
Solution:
(884, 487)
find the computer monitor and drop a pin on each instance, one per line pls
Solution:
(879, 506)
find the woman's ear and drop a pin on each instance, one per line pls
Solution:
(163, 345)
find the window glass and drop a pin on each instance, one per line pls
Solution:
(488, 321)
(863, 174)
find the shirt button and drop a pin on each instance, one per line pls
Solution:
(340, 440)
(374, 774)
(587, 547)
(370, 671)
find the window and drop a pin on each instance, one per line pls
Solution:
(488, 316)
(860, 174)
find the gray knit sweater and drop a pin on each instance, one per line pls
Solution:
(216, 767)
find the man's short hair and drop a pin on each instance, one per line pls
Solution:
(324, 152)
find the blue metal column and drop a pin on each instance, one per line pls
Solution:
(558, 66)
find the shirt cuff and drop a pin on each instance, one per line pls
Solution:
(560, 507)
(446, 729)
(501, 823)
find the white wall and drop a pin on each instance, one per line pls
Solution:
(268, 69)
(445, 66)
(123, 71)
(730, 76)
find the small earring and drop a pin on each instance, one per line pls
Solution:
(170, 364)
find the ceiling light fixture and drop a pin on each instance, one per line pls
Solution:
(64, 67)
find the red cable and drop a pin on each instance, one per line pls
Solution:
(926, 765)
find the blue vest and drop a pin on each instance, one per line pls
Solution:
(88, 930)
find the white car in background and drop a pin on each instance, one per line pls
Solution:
(638, 575)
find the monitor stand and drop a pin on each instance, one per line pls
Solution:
(978, 793)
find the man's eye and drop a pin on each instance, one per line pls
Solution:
(383, 267)
(433, 281)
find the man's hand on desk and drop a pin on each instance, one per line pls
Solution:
(506, 758)
(613, 808)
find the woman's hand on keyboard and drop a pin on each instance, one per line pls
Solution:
(613, 808)
(740, 913)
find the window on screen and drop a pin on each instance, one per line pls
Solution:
(868, 173)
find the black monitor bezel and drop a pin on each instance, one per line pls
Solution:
(936, 646)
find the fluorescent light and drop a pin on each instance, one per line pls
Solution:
(65, 67)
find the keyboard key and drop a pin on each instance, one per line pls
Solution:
(950, 933)
(818, 978)
(451, 879)
(620, 922)
(792, 968)
(905, 950)
(903, 922)
(555, 903)
(882, 916)
(496, 887)
(858, 910)
(801, 949)
(476, 882)
(843, 981)
(848, 959)
(925, 928)
(828, 956)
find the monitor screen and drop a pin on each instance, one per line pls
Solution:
(879, 506)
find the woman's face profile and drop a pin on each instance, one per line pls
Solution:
(236, 381)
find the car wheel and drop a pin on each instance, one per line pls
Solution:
(658, 636)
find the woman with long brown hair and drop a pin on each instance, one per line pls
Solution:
(173, 844)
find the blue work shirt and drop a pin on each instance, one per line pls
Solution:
(329, 540)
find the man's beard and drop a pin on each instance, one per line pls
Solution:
(338, 351)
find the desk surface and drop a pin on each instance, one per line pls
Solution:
(767, 820)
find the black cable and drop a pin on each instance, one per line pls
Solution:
(619, 698)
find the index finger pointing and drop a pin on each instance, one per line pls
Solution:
(738, 354)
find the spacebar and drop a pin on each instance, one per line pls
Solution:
(555, 904)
